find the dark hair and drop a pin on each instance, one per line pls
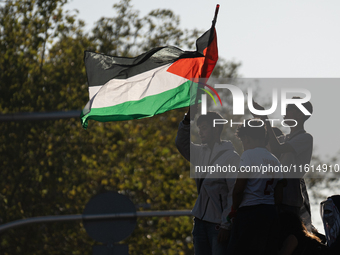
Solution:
(308, 105)
(308, 243)
(255, 130)
(290, 223)
(209, 118)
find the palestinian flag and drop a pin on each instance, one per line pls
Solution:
(152, 83)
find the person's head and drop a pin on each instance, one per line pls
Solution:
(206, 130)
(291, 224)
(293, 112)
(252, 133)
(331, 218)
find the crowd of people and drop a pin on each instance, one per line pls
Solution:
(256, 213)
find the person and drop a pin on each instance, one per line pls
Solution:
(305, 211)
(295, 151)
(330, 216)
(256, 192)
(295, 239)
(214, 194)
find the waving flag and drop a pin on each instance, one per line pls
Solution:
(152, 83)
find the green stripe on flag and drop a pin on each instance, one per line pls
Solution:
(147, 107)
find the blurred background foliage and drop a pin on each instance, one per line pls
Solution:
(55, 167)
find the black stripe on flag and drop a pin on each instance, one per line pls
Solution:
(101, 68)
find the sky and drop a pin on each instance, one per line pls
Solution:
(272, 39)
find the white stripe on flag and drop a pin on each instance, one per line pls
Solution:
(93, 90)
(153, 82)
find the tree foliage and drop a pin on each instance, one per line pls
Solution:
(55, 167)
(127, 34)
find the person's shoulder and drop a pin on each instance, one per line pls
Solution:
(306, 137)
(258, 151)
(301, 137)
(255, 152)
(228, 146)
(246, 153)
(306, 134)
(264, 153)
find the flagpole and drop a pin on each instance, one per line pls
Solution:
(214, 22)
(216, 13)
(210, 40)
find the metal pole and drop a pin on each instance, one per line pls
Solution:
(44, 219)
(34, 116)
